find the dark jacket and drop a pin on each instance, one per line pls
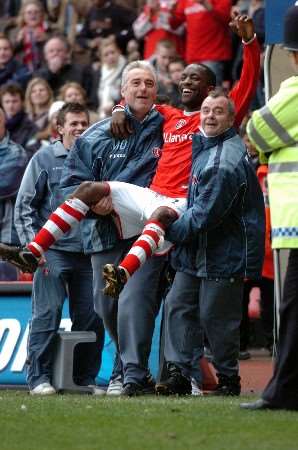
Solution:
(83, 75)
(223, 230)
(121, 20)
(15, 71)
(13, 160)
(22, 131)
(39, 195)
(97, 156)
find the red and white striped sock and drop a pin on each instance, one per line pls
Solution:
(143, 247)
(66, 216)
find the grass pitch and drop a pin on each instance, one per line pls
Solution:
(84, 422)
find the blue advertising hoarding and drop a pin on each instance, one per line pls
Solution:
(15, 312)
(274, 14)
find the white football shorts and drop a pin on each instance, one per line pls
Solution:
(133, 205)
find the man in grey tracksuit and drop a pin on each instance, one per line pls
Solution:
(66, 271)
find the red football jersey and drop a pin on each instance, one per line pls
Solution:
(173, 169)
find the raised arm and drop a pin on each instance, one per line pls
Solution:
(245, 89)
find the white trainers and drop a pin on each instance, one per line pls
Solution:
(115, 386)
(196, 388)
(96, 390)
(43, 389)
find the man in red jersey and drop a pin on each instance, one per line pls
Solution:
(135, 342)
(208, 38)
(149, 211)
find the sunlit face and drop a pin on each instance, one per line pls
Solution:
(39, 94)
(74, 125)
(193, 86)
(11, 104)
(216, 116)
(32, 15)
(73, 95)
(55, 48)
(110, 55)
(5, 52)
(139, 91)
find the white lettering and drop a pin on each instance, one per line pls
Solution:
(118, 155)
(12, 329)
(170, 137)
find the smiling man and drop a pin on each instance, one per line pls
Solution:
(168, 188)
(67, 270)
(219, 242)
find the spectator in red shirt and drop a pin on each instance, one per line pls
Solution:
(208, 39)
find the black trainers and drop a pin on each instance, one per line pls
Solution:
(115, 278)
(227, 386)
(20, 257)
(134, 389)
(175, 384)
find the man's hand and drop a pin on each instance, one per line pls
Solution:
(243, 26)
(120, 126)
(103, 207)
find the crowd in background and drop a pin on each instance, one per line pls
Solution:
(54, 52)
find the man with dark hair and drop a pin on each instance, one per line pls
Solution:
(21, 129)
(65, 271)
(10, 68)
(170, 180)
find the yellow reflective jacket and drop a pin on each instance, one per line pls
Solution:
(273, 129)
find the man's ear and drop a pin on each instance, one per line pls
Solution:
(210, 88)
(60, 130)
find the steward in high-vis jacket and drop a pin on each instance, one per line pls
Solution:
(273, 129)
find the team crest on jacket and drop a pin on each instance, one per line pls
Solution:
(156, 152)
(194, 180)
(180, 124)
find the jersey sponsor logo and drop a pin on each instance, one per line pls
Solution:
(180, 124)
(194, 9)
(171, 137)
(156, 151)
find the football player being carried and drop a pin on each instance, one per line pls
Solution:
(148, 211)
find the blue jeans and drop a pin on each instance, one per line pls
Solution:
(64, 274)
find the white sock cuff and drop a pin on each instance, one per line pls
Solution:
(77, 204)
(154, 227)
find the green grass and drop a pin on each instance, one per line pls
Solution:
(85, 423)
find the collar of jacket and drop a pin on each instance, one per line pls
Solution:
(153, 113)
(59, 149)
(16, 120)
(205, 142)
(4, 142)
